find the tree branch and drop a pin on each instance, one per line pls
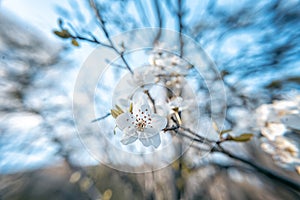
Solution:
(104, 29)
(263, 170)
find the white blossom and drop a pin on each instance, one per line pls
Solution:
(276, 121)
(142, 79)
(140, 123)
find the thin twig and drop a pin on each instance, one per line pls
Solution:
(263, 170)
(159, 19)
(173, 128)
(115, 64)
(94, 40)
(78, 36)
(104, 29)
(179, 16)
(197, 135)
(151, 99)
(216, 147)
(101, 118)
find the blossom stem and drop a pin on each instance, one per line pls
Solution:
(151, 99)
(173, 128)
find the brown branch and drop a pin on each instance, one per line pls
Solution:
(104, 29)
(180, 24)
(159, 19)
(197, 135)
(216, 147)
(261, 169)
(151, 99)
(173, 128)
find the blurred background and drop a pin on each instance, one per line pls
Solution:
(254, 44)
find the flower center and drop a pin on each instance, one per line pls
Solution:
(142, 120)
(141, 125)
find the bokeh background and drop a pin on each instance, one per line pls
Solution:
(254, 44)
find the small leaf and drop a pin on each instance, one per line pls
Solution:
(62, 34)
(75, 43)
(225, 131)
(242, 138)
(114, 113)
(119, 109)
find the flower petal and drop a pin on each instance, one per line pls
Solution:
(158, 122)
(151, 131)
(140, 98)
(124, 120)
(147, 141)
(129, 136)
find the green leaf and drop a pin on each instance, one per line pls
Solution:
(75, 43)
(242, 138)
(62, 34)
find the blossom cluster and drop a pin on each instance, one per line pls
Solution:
(279, 124)
(146, 100)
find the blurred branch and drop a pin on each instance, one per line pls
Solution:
(143, 16)
(263, 170)
(180, 24)
(151, 99)
(104, 29)
(216, 147)
(197, 135)
(159, 19)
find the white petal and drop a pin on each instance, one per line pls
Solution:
(141, 108)
(147, 141)
(124, 120)
(158, 122)
(163, 110)
(129, 136)
(273, 130)
(149, 77)
(177, 102)
(139, 98)
(151, 131)
(146, 108)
